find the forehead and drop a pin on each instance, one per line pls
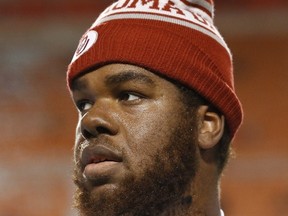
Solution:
(115, 74)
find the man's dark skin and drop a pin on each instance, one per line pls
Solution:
(140, 150)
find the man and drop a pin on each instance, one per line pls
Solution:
(153, 83)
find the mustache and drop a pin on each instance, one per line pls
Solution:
(83, 145)
(96, 142)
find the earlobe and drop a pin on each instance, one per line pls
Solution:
(211, 127)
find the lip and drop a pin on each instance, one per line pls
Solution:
(99, 154)
(100, 164)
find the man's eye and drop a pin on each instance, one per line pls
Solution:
(129, 97)
(84, 105)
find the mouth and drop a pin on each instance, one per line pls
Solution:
(98, 154)
(98, 159)
(99, 162)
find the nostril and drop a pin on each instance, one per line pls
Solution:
(92, 126)
(102, 130)
(86, 134)
(98, 130)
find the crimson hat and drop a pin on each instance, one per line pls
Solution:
(176, 38)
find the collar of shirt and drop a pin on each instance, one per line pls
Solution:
(221, 212)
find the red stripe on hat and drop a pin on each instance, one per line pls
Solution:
(210, 1)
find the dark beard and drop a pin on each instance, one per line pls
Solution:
(160, 191)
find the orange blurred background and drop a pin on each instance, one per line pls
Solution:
(37, 117)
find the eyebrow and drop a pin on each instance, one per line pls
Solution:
(127, 76)
(77, 85)
(115, 79)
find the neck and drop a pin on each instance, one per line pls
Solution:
(201, 199)
(187, 207)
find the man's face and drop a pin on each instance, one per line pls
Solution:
(135, 142)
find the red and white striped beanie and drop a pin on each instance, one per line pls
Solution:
(176, 38)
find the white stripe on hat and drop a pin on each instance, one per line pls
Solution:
(202, 3)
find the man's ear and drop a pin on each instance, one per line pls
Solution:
(211, 127)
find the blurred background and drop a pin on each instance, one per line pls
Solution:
(37, 117)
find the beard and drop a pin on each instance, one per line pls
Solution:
(160, 190)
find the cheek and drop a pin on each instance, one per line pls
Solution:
(148, 135)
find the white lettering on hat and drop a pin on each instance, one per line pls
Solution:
(165, 8)
(86, 42)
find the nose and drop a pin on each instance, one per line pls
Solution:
(98, 122)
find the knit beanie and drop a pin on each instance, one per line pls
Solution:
(175, 38)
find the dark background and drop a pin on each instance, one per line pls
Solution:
(37, 117)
